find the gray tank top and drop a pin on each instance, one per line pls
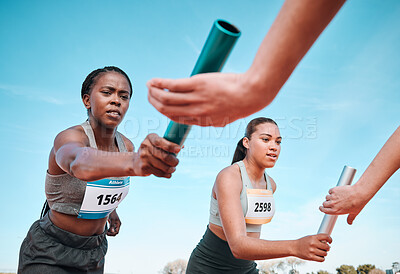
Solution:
(214, 212)
(64, 193)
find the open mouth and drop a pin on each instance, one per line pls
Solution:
(114, 113)
(273, 156)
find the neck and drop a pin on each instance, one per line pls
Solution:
(255, 172)
(105, 137)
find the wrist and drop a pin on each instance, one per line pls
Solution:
(362, 190)
(252, 80)
(293, 248)
(133, 163)
(257, 81)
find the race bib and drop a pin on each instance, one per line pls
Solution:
(260, 206)
(102, 197)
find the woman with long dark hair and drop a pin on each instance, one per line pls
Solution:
(87, 178)
(241, 201)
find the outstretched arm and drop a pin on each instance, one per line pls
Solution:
(227, 189)
(216, 99)
(352, 199)
(73, 156)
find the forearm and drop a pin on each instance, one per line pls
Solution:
(250, 248)
(386, 162)
(92, 164)
(297, 26)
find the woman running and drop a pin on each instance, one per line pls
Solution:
(241, 201)
(87, 178)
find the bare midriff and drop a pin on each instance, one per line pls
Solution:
(83, 227)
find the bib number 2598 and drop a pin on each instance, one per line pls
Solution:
(262, 207)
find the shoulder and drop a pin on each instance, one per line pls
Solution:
(128, 143)
(72, 131)
(74, 134)
(229, 172)
(229, 179)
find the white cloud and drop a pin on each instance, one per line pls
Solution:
(32, 94)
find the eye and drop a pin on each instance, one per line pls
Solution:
(279, 142)
(266, 139)
(106, 92)
(125, 97)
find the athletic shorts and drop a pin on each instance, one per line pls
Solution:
(48, 249)
(213, 255)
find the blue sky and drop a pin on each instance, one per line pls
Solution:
(338, 108)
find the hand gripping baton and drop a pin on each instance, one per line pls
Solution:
(216, 50)
(328, 222)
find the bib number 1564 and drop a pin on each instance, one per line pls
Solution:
(108, 199)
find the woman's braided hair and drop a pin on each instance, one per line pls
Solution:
(91, 79)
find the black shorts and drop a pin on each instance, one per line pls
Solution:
(49, 249)
(213, 255)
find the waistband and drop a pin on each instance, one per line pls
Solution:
(68, 238)
(209, 235)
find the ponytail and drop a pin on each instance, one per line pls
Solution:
(240, 152)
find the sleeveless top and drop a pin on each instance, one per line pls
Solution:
(64, 193)
(214, 212)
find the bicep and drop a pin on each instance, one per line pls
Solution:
(67, 145)
(227, 191)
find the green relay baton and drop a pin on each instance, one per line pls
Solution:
(216, 50)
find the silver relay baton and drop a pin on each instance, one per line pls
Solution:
(329, 221)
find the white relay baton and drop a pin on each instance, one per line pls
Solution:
(329, 221)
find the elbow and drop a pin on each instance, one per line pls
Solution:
(238, 252)
(241, 248)
(80, 171)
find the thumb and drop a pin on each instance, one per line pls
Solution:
(351, 218)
